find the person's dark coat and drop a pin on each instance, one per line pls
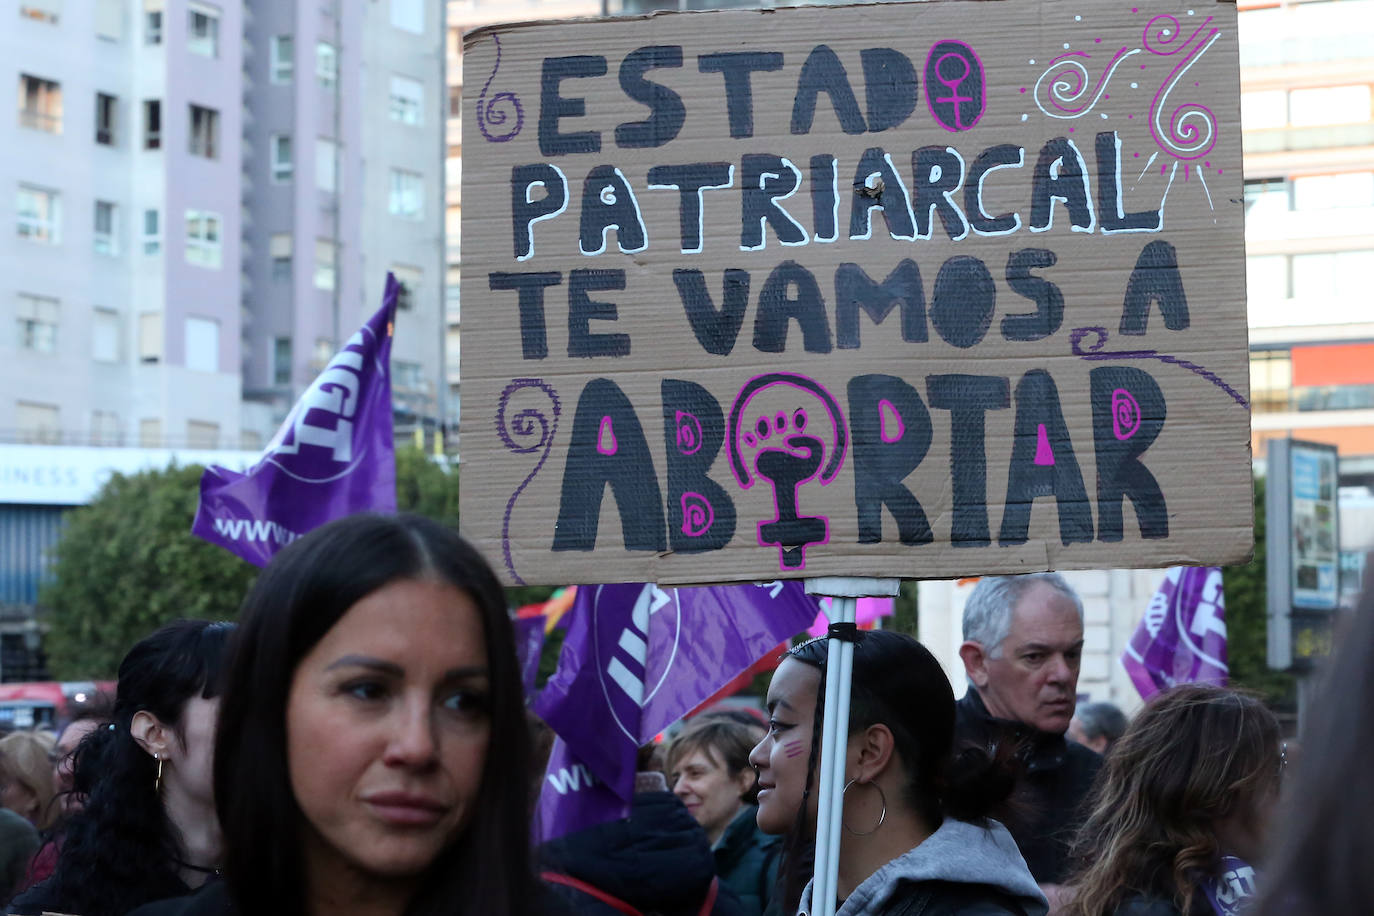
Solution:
(1152, 905)
(41, 898)
(658, 860)
(18, 842)
(1053, 778)
(211, 900)
(747, 861)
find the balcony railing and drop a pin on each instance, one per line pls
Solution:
(1308, 399)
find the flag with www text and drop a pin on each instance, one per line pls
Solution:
(333, 456)
(636, 659)
(1182, 639)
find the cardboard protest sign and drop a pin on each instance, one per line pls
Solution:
(922, 289)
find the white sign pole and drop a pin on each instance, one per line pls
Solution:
(844, 592)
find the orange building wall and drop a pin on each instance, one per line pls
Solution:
(1337, 364)
(1350, 441)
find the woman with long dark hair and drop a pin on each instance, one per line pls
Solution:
(372, 755)
(148, 829)
(1181, 809)
(916, 836)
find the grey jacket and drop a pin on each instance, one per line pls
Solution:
(960, 868)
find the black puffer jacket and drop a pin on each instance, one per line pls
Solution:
(658, 860)
(1047, 806)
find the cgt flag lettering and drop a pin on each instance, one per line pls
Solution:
(332, 457)
(636, 659)
(1182, 639)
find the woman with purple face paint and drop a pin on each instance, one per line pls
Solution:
(916, 836)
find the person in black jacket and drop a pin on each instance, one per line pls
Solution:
(373, 755)
(708, 769)
(916, 839)
(657, 861)
(1181, 811)
(1023, 641)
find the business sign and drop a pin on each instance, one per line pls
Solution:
(63, 475)
(1303, 578)
(922, 289)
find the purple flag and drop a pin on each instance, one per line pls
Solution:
(639, 657)
(529, 642)
(1182, 639)
(571, 798)
(332, 457)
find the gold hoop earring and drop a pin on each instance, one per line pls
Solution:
(882, 815)
(157, 783)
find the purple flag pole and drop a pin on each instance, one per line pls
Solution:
(636, 659)
(332, 457)
(1182, 639)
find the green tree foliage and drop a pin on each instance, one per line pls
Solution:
(1247, 623)
(128, 563)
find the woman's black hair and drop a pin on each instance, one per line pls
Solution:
(899, 684)
(121, 849)
(301, 595)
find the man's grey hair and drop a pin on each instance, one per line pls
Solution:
(987, 614)
(1101, 720)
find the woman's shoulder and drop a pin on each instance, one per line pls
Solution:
(211, 900)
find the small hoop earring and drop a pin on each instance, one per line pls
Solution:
(882, 816)
(157, 783)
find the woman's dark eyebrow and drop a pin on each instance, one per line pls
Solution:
(774, 704)
(391, 669)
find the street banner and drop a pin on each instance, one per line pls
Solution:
(572, 799)
(896, 289)
(529, 642)
(1182, 639)
(867, 612)
(332, 457)
(637, 658)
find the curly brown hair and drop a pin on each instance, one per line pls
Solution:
(1193, 757)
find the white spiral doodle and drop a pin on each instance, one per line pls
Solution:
(1068, 85)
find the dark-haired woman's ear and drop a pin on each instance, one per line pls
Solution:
(151, 734)
(871, 752)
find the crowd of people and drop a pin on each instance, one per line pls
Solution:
(358, 743)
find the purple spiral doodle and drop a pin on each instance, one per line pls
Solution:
(697, 514)
(527, 431)
(688, 433)
(1095, 352)
(488, 112)
(1192, 128)
(1125, 414)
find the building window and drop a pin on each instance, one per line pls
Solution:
(150, 433)
(1329, 105)
(407, 100)
(105, 336)
(106, 237)
(105, 428)
(203, 238)
(408, 15)
(1266, 276)
(282, 165)
(49, 11)
(37, 422)
(105, 106)
(37, 319)
(407, 194)
(326, 165)
(202, 30)
(281, 361)
(204, 132)
(152, 232)
(409, 279)
(324, 352)
(455, 101)
(1271, 380)
(279, 248)
(283, 58)
(152, 124)
(326, 253)
(1331, 275)
(109, 19)
(202, 344)
(40, 214)
(406, 376)
(200, 434)
(150, 337)
(152, 22)
(40, 104)
(326, 64)
(1332, 192)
